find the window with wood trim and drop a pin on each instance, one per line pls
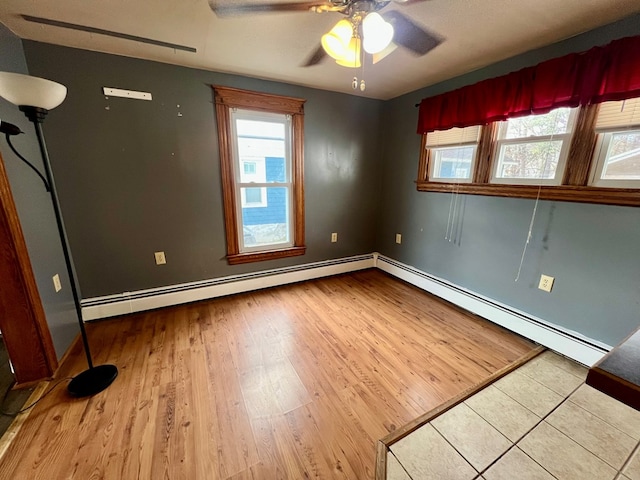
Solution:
(260, 138)
(587, 154)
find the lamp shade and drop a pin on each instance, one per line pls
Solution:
(377, 33)
(31, 91)
(336, 42)
(351, 56)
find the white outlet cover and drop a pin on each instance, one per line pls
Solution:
(398, 238)
(546, 283)
(56, 283)
(160, 258)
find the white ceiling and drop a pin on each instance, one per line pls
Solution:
(273, 46)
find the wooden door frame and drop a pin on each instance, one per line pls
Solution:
(22, 318)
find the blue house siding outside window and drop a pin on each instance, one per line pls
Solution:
(276, 209)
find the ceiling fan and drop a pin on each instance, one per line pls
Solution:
(363, 29)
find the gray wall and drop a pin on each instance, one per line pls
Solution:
(137, 177)
(591, 250)
(34, 207)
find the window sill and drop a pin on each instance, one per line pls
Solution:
(239, 258)
(566, 193)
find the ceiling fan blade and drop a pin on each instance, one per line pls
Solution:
(231, 8)
(410, 35)
(316, 57)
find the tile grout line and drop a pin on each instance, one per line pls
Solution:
(399, 463)
(635, 451)
(457, 451)
(513, 444)
(612, 426)
(602, 419)
(536, 462)
(542, 419)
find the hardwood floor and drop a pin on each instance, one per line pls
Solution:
(292, 382)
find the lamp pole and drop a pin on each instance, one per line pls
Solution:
(35, 97)
(95, 379)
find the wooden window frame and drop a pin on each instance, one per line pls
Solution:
(227, 98)
(575, 178)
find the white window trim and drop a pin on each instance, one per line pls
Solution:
(432, 163)
(562, 159)
(243, 114)
(600, 154)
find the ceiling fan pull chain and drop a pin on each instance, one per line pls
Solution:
(362, 60)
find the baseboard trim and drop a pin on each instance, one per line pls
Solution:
(141, 300)
(571, 344)
(565, 342)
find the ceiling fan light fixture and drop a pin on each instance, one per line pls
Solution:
(377, 33)
(351, 57)
(337, 41)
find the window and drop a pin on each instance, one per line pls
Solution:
(253, 170)
(452, 154)
(534, 149)
(261, 158)
(586, 154)
(253, 197)
(249, 168)
(617, 162)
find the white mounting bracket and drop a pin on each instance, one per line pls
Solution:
(117, 92)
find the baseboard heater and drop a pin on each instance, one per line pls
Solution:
(569, 343)
(149, 299)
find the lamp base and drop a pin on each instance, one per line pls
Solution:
(92, 381)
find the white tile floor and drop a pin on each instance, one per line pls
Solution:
(540, 422)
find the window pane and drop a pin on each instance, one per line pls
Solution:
(623, 158)
(535, 160)
(253, 195)
(250, 168)
(453, 163)
(267, 224)
(260, 129)
(553, 123)
(261, 151)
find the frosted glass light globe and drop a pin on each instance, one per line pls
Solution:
(377, 33)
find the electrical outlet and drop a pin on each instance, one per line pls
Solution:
(398, 238)
(546, 283)
(56, 283)
(160, 258)
(334, 237)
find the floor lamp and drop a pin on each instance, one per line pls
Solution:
(35, 97)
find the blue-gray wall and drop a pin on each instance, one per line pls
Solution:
(141, 176)
(34, 207)
(591, 250)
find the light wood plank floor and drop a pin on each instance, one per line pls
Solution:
(292, 382)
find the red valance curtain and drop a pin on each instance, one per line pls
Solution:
(600, 74)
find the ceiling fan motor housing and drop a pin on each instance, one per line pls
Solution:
(360, 8)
